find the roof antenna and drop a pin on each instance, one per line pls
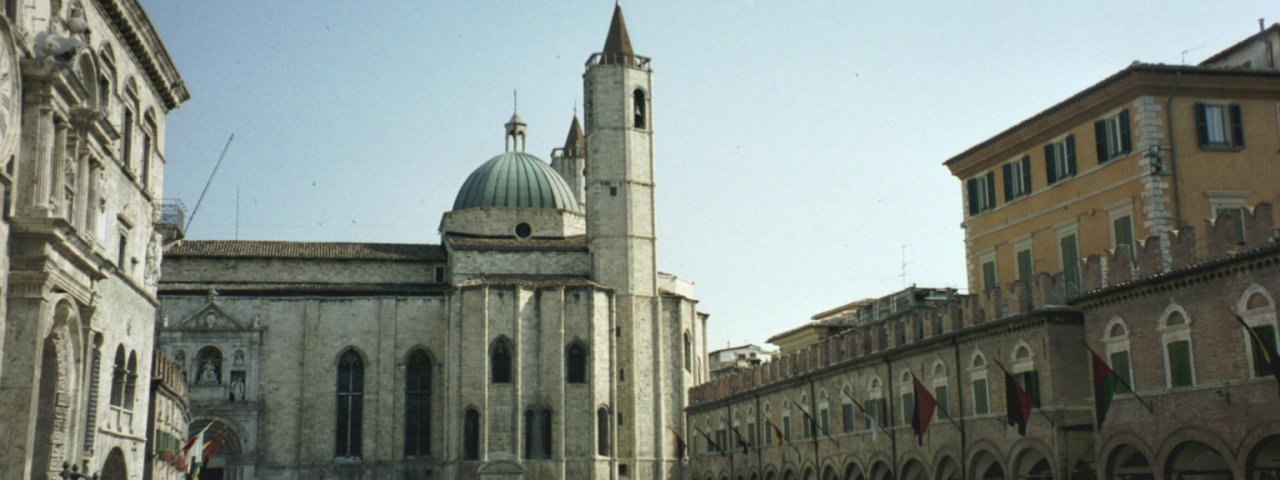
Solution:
(575, 107)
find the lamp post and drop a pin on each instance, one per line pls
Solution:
(71, 472)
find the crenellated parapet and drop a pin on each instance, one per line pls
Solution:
(1118, 267)
(168, 373)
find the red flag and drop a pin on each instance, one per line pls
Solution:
(210, 448)
(924, 408)
(1017, 403)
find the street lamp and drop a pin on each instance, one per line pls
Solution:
(70, 472)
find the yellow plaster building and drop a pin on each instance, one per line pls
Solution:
(1149, 150)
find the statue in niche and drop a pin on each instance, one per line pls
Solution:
(180, 358)
(152, 275)
(209, 372)
(237, 386)
(239, 358)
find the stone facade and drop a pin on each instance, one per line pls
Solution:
(85, 88)
(167, 420)
(538, 341)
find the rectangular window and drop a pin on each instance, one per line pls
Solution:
(1122, 235)
(980, 405)
(989, 280)
(768, 436)
(1025, 272)
(1017, 178)
(1112, 136)
(940, 394)
(1236, 214)
(846, 417)
(908, 408)
(824, 417)
(1268, 335)
(1179, 353)
(751, 434)
(982, 193)
(1219, 125)
(806, 426)
(1120, 365)
(876, 411)
(786, 428)
(1060, 159)
(1070, 264)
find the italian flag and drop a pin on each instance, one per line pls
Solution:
(1105, 381)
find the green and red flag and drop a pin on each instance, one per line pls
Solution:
(1017, 403)
(924, 408)
(1105, 381)
(1266, 351)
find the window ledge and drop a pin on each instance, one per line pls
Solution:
(1220, 147)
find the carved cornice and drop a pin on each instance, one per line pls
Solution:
(130, 24)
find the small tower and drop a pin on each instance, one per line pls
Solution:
(515, 134)
(569, 160)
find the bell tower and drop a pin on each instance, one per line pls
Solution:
(620, 234)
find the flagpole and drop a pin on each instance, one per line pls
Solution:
(949, 419)
(1038, 409)
(863, 409)
(1121, 379)
(1269, 354)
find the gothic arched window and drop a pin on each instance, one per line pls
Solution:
(688, 353)
(530, 428)
(131, 380)
(350, 408)
(471, 435)
(602, 432)
(417, 405)
(639, 107)
(500, 362)
(576, 364)
(118, 378)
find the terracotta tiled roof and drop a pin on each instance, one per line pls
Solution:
(301, 288)
(576, 243)
(531, 281)
(1132, 69)
(306, 250)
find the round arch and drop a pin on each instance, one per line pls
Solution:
(1031, 463)
(947, 469)
(914, 469)
(1264, 459)
(829, 473)
(880, 471)
(59, 361)
(986, 465)
(1128, 462)
(1196, 459)
(853, 471)
(229, 462)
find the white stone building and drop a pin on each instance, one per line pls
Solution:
(538, 341)
(85, 88)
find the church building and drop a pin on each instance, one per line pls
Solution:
(538, 340)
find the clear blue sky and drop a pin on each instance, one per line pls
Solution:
(798, 144)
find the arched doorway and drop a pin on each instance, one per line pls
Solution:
(881, 471)
(854, 472)
(914, 470)
(227, 462)
(829, 473)
(1264, 461)
(1195, 460)
(55, 390)
(1032, 465)
(1127, 463)
(114, 468)
(986, 467)
(948, 469)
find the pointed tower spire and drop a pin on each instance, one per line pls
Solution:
(617, 44)
(575, 143)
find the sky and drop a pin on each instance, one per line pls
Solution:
(798, 145)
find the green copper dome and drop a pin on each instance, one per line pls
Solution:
(516, 180)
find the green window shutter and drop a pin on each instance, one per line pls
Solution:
(1026, 174)
(1007, 175)
(1120, 365)
(846, 417)
(1100, 137)
(1125, 143)
(1202, 124)
(1071, 155)
(1237, 126)
(751, 434)
(826, 421)
(1123, 228)
(988, 275)
(1268, 335)
(971, 186)
(908, 408)
(1179, 363)
(786, 428)
(1024, 266)
(1071, 264)
(980, 406)
(1050, 168)
(944, 405)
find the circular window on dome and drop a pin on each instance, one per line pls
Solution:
(523, 230)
